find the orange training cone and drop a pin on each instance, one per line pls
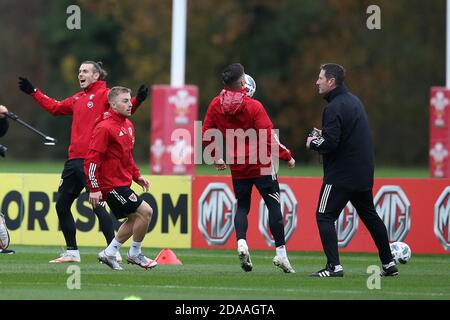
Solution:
(167, 256)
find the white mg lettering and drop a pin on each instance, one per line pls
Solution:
(444, 219)
(388, 213)
(222, 214)
(288, 205)
(215, 218)
(384, 209)
(393, 207)
(213, 211)
(397, 225)
(216, 214)
(346, 225)
(209, 208)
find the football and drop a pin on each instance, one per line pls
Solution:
(4, 235)
(250, 85)
(401, 252)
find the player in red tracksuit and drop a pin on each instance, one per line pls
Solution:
(236, 116)
(110, 169)
(84, 107)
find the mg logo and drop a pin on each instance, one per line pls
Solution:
(216, 208)
(346, 225)
(288, 204)
(394, 208)
(442, 218)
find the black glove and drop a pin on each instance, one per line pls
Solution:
(26, 86)
(142, 93)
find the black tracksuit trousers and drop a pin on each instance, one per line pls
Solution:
(332, 201)
(269, 189)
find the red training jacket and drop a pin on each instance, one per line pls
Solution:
(109, 162)
(84, 107)
(232, 109)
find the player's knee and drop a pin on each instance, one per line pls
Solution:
(63, 204)
(243, 206)
(241, 212)
(59, 207)
(276, 220)
(131, 218)
(99, 210)
(323, 218)
(145, 211)
(150, 212)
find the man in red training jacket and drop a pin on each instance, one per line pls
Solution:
(236, 115)
(110, 169)
(84, 107)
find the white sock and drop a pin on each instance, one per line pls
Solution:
(135, 249)
(281, 251)
(338, 268)
(75, 253)
(113, 248)
(242, 243)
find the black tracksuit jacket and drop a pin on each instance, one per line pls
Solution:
(346, 144)
(3, 126)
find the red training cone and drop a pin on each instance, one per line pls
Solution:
(167, 256)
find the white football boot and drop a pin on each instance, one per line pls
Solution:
(283, 264)
(244, 257)
(110, 261)
(142, 261)
(66, 257)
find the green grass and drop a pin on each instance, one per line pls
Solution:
(216, 274)
(9, 166)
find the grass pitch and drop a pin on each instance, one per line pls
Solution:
(216, 274)
(300, 170)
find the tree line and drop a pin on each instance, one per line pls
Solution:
(281, 43)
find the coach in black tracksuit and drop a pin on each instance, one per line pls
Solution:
(348, 165)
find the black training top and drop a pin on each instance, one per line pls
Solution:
(345, 144)
(3, 126)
